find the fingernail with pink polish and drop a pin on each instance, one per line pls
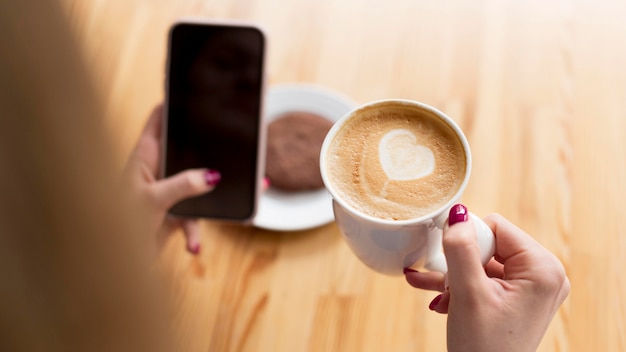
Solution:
(194, 249)
(434, 302)
(409, 270)
(458, 213)
(266, 183)
(212, 177)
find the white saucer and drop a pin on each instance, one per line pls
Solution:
(294, 211)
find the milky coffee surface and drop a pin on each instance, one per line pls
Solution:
(396, 163)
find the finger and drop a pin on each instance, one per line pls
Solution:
(523, 257)
(432, 281)
(440, 303)
(460, 245)
(154, 125)
(149, 144)
(510, 239)
(191, 228)
(189, 183)
(265, 184)
(494, 269)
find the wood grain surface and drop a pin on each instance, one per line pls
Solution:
(539, 87)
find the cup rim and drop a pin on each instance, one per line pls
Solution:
(407, 102)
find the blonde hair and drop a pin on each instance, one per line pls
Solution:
(74, 264)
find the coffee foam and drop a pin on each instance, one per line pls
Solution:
(395, 163)
(402, 158)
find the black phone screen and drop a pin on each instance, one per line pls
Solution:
(213, 109)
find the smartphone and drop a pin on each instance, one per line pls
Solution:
(213, 114)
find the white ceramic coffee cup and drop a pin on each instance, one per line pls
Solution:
(389, 246)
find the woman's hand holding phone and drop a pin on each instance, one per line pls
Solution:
(157, 196)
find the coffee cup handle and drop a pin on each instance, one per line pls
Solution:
(436, 260)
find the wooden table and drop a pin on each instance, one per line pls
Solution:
(539, 87)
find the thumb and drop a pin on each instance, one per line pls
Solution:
(185, 184)
(465, 271)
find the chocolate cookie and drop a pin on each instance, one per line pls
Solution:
(294, 140)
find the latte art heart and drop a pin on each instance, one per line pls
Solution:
(402, 158)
